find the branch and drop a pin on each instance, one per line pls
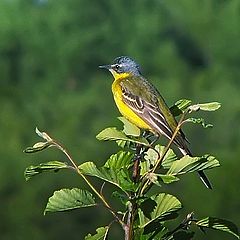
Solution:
(106, 204)
(147, 183)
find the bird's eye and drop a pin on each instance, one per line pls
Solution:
(117, 66)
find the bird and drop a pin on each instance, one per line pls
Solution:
(139, 101)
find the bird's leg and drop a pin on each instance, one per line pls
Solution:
(146, 134)
(151, 137)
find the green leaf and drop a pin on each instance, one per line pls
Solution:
(199, 121)
(121, 197)
(183, 235)
(167, 178)
(129, 128)
(117, 177)
(165, 208)
(152, 156)
(124, 144)
(212, 106)
(113, 134)
(120, 160)
(157, 178)
(68, 199)
(219, 224)
(52, 166)
(180, 106)
(169, 158)
(101, 234)
(155, 232)
(145, 167)
(37, 147)
(190, 164)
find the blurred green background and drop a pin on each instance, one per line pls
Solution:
(49, 53)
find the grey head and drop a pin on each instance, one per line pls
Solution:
(124, 64)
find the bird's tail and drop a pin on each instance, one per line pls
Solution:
(201, 174)
(204, 179)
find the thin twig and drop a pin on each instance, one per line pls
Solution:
(88, 182)
(129, 227)
(160, 159)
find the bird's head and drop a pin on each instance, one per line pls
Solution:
(123, 66)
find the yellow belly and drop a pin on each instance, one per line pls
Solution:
(124, 109)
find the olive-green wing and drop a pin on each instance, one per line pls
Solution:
(144, 99)
(147, 103)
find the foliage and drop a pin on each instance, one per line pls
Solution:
(50, 51)
(145, 215)
(67, 199)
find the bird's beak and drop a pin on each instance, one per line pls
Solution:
(108, 67)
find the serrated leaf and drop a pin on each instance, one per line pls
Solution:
(129, 128)
(165, 209)
(101, 234)
(145, 167)
(120, 160)
(52, 166)
(212, 106)
(68, 199)
(169, 158)
(151, 157)
(167, 179)
(219, 224)
(37, 147)
(180, 106)
(199, 121)
(190, 164)
(117, 177)
(124, 144)
(112, 134)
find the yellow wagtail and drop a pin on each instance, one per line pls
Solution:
(141, 103)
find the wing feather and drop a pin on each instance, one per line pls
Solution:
(151, 114)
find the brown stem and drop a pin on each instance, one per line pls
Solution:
(132, 206)
(136, 165)
(106, 204)
(129, 230)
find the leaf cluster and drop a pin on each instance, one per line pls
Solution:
(139, 166)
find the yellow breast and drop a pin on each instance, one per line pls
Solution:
(124, 109)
